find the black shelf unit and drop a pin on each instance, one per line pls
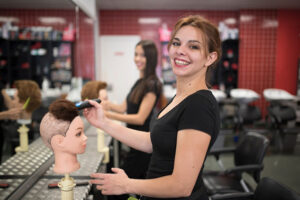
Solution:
(167, 72)
(226, 72)
(36, 59)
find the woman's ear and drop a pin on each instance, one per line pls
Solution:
(57, 142)
(211, 58)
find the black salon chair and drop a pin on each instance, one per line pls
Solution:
(248, 157)
(284, 136)
(249, 118)
(266, 189)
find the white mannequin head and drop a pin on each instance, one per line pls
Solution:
(62, 130)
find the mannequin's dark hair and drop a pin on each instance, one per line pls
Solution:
(63, 109)
(150, 52)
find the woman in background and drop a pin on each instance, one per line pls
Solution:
(137, 110)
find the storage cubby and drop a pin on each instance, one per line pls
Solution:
(35, 60)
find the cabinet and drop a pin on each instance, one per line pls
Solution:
(226, 72)
(167, 72)
(35, 60)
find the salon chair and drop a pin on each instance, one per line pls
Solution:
(267, 189)
(247, 115)
(248, 118)
(280, 117)
(248, 158)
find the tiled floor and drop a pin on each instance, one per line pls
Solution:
(284, 168)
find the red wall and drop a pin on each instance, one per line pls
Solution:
(257, 51)
(125, 22)
(84, 44)
(268, 53)
(288, 50)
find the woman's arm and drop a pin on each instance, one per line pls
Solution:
(119, 108)
(12, 114)
(136, 139)
(7, 100)
(140, 117)
(191, 149)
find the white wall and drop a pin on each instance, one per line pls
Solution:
(117, 65)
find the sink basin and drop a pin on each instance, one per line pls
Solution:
(273, 94)
(244, 95)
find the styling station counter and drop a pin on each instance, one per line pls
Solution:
(29, 173)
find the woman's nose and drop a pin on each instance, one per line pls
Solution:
(180, 50)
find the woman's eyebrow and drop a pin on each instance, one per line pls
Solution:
(194, 41)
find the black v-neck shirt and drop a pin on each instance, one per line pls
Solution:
(198, 111)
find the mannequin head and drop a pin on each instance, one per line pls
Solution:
(94, 90)
(62, 131)
(28, 88)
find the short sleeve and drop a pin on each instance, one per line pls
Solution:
(200, 114)
(153, 86)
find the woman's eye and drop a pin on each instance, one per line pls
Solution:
(78, 134)
(175, 43)
(194, 47)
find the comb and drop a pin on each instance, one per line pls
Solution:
(26, 103)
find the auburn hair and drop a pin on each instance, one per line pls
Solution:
(63, 109)
(91, 89)
(211, 37)
(29, 89)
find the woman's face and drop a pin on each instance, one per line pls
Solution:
(187, 52)
(140, 58)
(75, 140)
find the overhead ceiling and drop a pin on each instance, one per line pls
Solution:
(157, 4)
(197, 4)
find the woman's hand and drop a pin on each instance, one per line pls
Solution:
(95, 115)
(13, 113)
(111, 183)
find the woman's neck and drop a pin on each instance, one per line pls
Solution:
(141, 74)
(186, 87)
(65, 163)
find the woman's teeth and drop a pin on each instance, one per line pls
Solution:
(180, 62)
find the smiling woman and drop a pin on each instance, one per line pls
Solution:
(182, 133)
(62, 131)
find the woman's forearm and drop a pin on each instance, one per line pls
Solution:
(119, 108)
(139, 140)
(163, 187)
(127, 118)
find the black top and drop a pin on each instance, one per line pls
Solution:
(2, 106)
(198, 111)
(133, 108)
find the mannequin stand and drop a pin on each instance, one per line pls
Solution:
(23, 130)
(66, 185)
(101, 146)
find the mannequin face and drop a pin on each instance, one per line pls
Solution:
(103, 94)
(75, 140)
